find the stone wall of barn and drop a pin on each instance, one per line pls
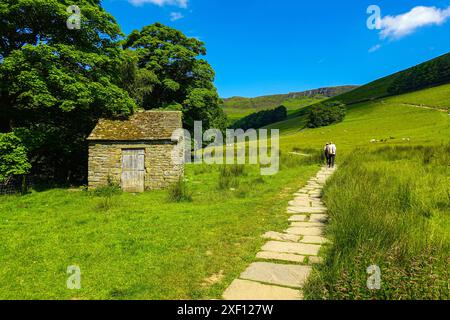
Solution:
(105, 163)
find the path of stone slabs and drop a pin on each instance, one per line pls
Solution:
(285, 261)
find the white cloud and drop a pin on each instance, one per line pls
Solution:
(161, 3)
(396, 27)
(174, 16)
(375, 48)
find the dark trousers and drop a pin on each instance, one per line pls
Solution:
(330, 160)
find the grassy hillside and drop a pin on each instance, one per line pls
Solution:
(437, 98)
(426, 85)
(238, 107)
(428, 74)
(391, 110)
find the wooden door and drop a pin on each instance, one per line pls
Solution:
(133, 170)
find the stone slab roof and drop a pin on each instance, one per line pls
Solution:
(144, 125)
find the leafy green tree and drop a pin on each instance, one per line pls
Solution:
(170, 74)
(325, 114)
(13, 156)
(55, 83)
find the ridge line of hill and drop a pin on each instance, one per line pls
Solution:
(324, 91)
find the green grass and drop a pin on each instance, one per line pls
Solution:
(142, 246)
(389, 206)
(387, 119)
(438, 98)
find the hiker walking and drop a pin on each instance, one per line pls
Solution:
(332, 154)
(326, 151)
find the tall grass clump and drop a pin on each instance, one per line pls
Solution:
(106, 194)
(179, 192)
(229, 175)
(390, 208)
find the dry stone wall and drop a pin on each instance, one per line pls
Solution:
(105, 163)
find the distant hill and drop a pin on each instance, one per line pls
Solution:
(272, 101)
(239, 107)
(425, 75)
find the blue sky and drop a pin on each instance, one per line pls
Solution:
(260, 47)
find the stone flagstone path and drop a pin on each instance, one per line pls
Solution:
(285, 261)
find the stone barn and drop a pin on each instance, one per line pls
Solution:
(136, 153)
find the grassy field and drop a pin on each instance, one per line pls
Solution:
(438, 98)
(390, 207)
(142, 246)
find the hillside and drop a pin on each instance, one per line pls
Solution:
(277, 99)
(432, 98)
(428, 74)
(238, 107)
(385, 119)
(425, 85)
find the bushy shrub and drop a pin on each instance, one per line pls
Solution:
(106, 194)
(13, 156)
(110, 189)
(262, 118)
(179, 192)
(325, 114)
(107, 191)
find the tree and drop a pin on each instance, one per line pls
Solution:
(325, 114)
(44, 22)
(55, 83)
(13, 157)
(170, 74)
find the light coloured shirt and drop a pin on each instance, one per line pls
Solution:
(333, 149)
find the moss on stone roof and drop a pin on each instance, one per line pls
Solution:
(144, 125)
